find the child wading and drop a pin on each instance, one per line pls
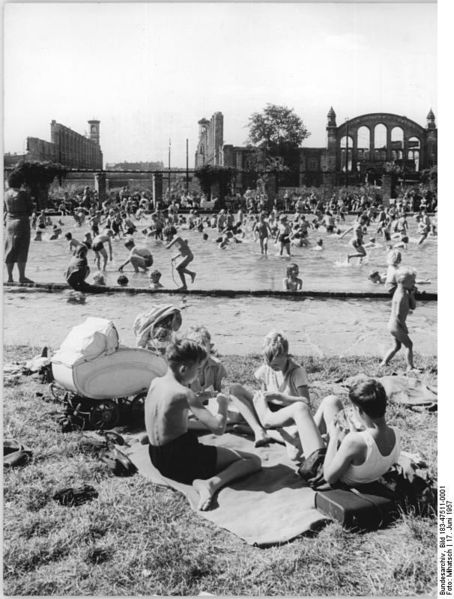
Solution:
(186, 256)
(175, 451)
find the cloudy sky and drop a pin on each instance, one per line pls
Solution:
(149, 72)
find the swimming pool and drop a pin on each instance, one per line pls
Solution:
(241, 266)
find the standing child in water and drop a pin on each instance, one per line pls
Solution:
(173, 449)
(186, 256)
(283, 235)
(99, 249)
(262, 229)
(403, 301)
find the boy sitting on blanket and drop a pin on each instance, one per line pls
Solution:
(175, 451)
(361, 447)
(284, 392)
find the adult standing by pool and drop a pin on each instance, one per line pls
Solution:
(18, 208)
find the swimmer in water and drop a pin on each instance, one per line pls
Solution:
(138, 257)
(73, 243)
(184, 257)
(356, 243)
(155, 278)
(262, 229)
(318, 245)
(98, 248)
(291, 281)
(283, 235)
(424, 227)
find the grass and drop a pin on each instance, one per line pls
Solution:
(139, 539)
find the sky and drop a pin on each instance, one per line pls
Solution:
(150, 71)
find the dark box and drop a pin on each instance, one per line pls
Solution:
(357, 510)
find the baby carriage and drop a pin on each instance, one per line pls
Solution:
(100, 380)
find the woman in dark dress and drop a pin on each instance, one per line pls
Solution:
(18, 208)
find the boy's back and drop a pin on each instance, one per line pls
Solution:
(166, 410)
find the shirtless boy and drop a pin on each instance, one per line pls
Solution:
(98, 248)
(138, 257)
(175, 451)
(403, 301)
(262, 229)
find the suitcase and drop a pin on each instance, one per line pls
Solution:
(367, 509)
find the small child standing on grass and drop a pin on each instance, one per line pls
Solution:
(175, 451)
(403, 301)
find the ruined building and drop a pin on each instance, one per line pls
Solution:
(359, 149)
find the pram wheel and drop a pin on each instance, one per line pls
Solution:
(105, 414)
(58, 393)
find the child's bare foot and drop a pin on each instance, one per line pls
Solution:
(25, 280)
(262, 439)
(205, 492)
(10, 280)
(193, 276)
(182, 288)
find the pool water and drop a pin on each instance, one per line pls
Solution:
(241, 266)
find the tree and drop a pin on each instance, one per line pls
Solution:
(39, 176)
(274, 127)
(275, 135)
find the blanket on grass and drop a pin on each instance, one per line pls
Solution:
(269, 507)
(401, 389)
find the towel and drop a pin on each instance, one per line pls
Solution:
(401, 389)
(269, 507)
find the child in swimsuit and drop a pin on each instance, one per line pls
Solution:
(186, 256)
(357, 244)
(283, 235)
(155, 282)
(138, 257)
(291, 281)
(262, 230)
(98, 248)
(175, 451)
(403, 301)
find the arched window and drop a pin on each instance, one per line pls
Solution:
(397, 143)
(363, 143)
(414, 151)
(380, 142)
(343, 146)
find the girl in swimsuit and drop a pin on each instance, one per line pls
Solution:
(283, 236)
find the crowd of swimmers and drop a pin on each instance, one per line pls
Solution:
(128, 217)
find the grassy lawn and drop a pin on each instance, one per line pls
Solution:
(139, 539)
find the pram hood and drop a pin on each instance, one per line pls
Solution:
(146, 323)
(85, 342)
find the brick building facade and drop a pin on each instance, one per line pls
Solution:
(68, 147)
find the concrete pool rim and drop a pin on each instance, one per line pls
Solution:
(56, 287)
